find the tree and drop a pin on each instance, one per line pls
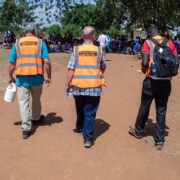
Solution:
(16, 12)
(54, 29)
(82, 15)
(113, 13)
(165, 14)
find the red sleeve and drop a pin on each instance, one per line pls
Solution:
(172, 46)
(146, 48)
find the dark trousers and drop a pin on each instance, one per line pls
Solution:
(160, 91)
(86, 108)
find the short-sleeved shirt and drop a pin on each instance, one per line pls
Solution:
(102, 39)
(86, 91)
(31, 80)
(146, 49)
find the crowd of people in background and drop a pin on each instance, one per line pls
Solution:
(116, 44)
(9, 39)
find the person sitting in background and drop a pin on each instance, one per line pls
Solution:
(4, 46)
(115, 45)
(51, 47)
(124, 50)
(136, 46)
(56, 47)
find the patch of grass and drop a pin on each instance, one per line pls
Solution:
(61, 58)
(168, 148)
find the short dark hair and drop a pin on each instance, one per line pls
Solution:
(153, 30)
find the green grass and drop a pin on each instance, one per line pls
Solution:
(168, 148)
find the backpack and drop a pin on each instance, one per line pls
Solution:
(166, 62)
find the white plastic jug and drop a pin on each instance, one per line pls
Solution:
(10, 93)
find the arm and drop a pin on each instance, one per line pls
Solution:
(11, 71)
(47, 66)
(145, 62)
(12, 64)
(69, 79)
(103, 63)
(107, 40)
(145, 57)
(71, 68)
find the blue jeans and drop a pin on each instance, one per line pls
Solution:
(86, 108)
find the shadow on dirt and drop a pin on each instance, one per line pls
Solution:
(50, 119)
(100, 128)
(150, 129)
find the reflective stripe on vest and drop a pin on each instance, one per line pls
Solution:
(86, 75)
(29, 64)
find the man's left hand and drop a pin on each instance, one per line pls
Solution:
(48, 82)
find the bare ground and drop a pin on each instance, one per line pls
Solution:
(55, 152)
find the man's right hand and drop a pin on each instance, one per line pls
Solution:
(144, 69)
(11, 80)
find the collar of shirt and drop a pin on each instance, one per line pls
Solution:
(87, 43)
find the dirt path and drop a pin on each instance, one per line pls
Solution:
(54, 152)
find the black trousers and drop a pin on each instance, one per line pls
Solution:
(160, 91)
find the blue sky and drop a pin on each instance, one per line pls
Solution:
(42, 15)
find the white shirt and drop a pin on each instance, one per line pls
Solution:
(102, 39)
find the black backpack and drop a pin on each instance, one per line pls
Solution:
(166, 62)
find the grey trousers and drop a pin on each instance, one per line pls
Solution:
(23, 99)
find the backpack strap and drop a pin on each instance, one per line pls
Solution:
(155, 42)
(165, 42)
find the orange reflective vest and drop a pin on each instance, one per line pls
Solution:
(29, 52)
(88, 73)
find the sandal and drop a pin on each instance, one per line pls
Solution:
(133, 132)
(159, 145)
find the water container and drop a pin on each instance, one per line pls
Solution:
(10, 93)
(68, 94)
(153, 69)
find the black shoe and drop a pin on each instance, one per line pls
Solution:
(88, 143)
(26, 134)
(78, 132)
(37, 122)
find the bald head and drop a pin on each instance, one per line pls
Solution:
(30, 28)
(89, 33)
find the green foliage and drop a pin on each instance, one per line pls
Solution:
(164, 14)
(54, 29)
(73, 28)
(83, 15)
(110, 15)
(16, 12)
(114, 31)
